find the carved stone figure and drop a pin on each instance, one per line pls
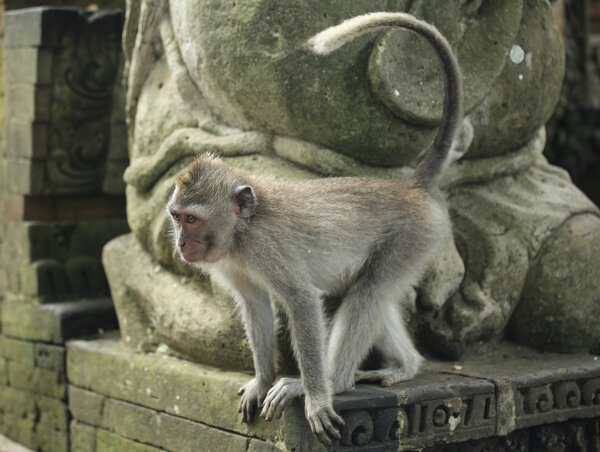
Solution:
(237, 79)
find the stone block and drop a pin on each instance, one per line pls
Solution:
(25, 176)
(262, 446)
(163, 383)
(21, 430)
(17, 350)
(133, 422)
(36, 380)
(87, 406)
(27, 65)
(110, 442)
(37, 421)
(179, 434)
(51, 357)
(56, 322)
(27, 104)
(83, 437)
(142, 424)
(27, 140)
(3, 371)
(32, 27)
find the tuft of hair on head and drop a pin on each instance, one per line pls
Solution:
(198, 166)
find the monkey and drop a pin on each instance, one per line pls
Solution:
(288, 244)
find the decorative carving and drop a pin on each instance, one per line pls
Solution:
(358, 430)
(60, 102)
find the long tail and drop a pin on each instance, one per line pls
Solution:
(334, 37)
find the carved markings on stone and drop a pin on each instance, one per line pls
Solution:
(422, 423)
(61, 66)
(558, 401)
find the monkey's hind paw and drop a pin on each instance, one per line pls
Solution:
(284, 391)
(385, 377)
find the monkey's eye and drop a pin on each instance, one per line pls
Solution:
(191, 219)
(176, 217)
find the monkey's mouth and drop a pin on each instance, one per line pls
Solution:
(209, 255)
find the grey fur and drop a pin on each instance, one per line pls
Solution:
(368, 240)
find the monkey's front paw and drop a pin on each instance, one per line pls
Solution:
(321, 418)
(253, 393)
(279, 396)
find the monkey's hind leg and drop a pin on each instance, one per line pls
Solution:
(401, 359)
(367, 317)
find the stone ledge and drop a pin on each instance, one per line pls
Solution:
(56, 322)
(445, 404)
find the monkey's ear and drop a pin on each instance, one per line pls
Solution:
(244, 201)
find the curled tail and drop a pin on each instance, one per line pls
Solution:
(334, 37)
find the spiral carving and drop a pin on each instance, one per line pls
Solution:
(358, 430)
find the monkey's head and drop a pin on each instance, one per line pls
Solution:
(207, 208)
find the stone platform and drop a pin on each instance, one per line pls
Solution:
(505, 399)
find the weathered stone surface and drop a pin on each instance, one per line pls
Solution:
(57, 260)
(110, 442)
(168, 314)
(28, 66)
(17, 350)
(142, 424)
(82, 437)
(561, 271)
(163, 383)
(56, 322)
(34, 420)
(491, 393)
(186, 436)
(51, 357)
(11, 446)
(261, 446)
(61, 68)
(3, 371)
(36, 380)
(86, 406)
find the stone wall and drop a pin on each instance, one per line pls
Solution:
(61, 196)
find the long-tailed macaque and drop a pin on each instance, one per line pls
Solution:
(289, 243)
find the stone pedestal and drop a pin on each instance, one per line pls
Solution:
(509, 400)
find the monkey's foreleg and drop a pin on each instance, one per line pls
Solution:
(257, 317)
(307, 331)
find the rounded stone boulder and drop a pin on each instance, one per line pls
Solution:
(560, 304)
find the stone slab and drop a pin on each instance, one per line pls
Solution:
(163, 383)
(543, 388)
(17, 350)
(447, 403)
(36, 380)
(57, 322)
(35, 420)
(27, 103)
(26, 140)
(149, 426)
(28, 66)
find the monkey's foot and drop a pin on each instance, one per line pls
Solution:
(319, 413)
(386, 377)
(284, 391)
(252, 395)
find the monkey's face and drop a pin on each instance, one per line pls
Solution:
(205, 232)
(196, 239)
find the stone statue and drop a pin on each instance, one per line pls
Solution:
(237, 79)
